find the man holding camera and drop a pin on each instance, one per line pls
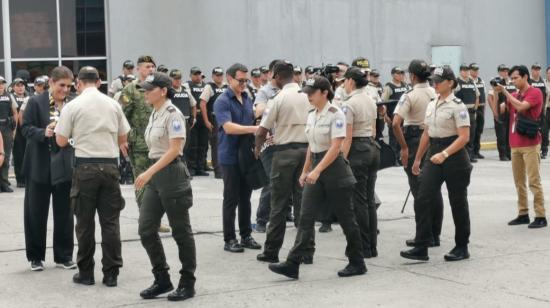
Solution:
(525, 109)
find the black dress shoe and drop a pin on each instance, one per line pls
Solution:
(504, 158)
(458, 253)
(181, 294)
(263, 257)
(288, 269)
(539, 222)
(162, 284)
(233, 246)
(325, 228)
(250, 243)
(417, 253)
(433, 243)
(353, 270)
(479, 156)
(110, 281)
(520, 220)
(307, 260)
(83, 280)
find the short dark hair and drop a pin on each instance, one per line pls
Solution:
(272, 64)
(548, 69)
(61, 72)
(284, 70)
(237, 67)
(521, 69)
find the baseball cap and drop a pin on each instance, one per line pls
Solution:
(297, 69)
(195, 70)
(464, 67)
(146, 59)
(503, 67)
(264, 69)
(316, 83)
(474, 67)
(158, 79)
(217, 71)
(443, 73)
(397, 70)
(374, 73)
(128, 64)
(255, 72)
(536, 66)
(40, 80)
(175, 74)
(310, 69)
(88, 73)
(18, 81)
(162, 68)
(361, 63)
(2, 79)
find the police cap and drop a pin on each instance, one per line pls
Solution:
(162, 68)
(444, 73)
(129, 64)
(297, 69)
(536, 66)
(474, 67)
(317, 83)
(195, 70)
(218, 71)
(175, 74)
(374, 73)
(464, 67)
(310, 69)
(158, 79)
(361, 63)
(40, 80)
(18, 81)
(503, 67)
(264, 69)
(255, 73)
(397, 70)
(2, 79)
(146, 59)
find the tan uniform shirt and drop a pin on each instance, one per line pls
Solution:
(94, 121)
(360, 111)
(412, 105)
(207, 93)
(372, 92)
(443, 118)
(165, 124)
(323, 126)
(287, 114)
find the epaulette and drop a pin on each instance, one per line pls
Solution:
(408, 91)
(332, 109)
(457, 100)
(311, 110)
(171, 109)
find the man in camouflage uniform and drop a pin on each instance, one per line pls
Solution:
(137, 111)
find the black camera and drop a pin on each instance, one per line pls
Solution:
(497, 81)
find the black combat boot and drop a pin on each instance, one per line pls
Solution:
(353, 269)
(417, 253)
(162, 284)
(458, 253)
(288, 269)
(183, 292)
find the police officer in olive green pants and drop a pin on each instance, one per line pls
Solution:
(167, 190)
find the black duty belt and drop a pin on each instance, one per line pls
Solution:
(175, 161)
(290, 146)
(318, 156)
(443, 141)
(84, 160)
(366, 139)
(412, 130)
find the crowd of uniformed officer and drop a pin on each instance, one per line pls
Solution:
(318, 139)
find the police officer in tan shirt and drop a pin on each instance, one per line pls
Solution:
(97, 125)
(326, 177)
(363, 154)
(410, 113)
(285, 116)
(446, 133)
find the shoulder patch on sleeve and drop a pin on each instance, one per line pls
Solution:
(332, 109)
(171, 109)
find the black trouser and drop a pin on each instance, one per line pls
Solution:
(37, 206)
(198, 146)
(213, 140)
(169, 191)
(502, 131)
(470, 146)
(264, 206)
(455, 172)
(335, 185)
(96, 188)
(7, 137)
(480, 122)
(413, 139)
(545, 121)
(364, 157)
(19, 145)
(236, 194)
(285, 174)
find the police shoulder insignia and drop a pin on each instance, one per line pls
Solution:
(332, 109)
(171, 109)
(457, 100)
(463, 114)
(176, 125)
(339, 123)
(402, 99)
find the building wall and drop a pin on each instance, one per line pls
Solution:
(207, 33)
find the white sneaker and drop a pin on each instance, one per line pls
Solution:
(66, 265)
(37, 266)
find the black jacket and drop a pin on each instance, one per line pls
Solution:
(37, 163)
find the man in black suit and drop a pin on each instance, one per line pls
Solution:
(38, 125)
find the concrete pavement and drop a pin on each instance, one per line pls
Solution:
(509, 265)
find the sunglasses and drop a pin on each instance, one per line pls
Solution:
(242, 81)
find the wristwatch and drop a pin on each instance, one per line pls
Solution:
(445, 154)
